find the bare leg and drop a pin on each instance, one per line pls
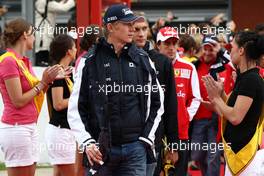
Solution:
(66, 169)
(79, 169)
(56, 171)
(22, 171)
(33, 169)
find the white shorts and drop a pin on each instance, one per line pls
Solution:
(19, 144)
(255, 168)
(61, 145)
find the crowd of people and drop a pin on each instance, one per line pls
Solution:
(140, 101)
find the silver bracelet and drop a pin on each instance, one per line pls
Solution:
(36, 88)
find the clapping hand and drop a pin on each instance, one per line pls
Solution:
(50, 74)
(64, 72)
(214, 88)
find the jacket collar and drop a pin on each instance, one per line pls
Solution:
(130, 49)
(110, 47)
(137, 55)
(148, 46)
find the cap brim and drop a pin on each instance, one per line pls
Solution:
(132, 19)
(211, 44)
(163, 39)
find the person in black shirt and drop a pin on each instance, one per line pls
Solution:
(243, 113)
(60, 140)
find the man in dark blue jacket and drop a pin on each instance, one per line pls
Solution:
(117, 98)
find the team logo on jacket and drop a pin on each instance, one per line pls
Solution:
(131, 64)
(107, 65)
(182, 73)
(108, 79)
(176, 72)
(180, 85)
(181, 94)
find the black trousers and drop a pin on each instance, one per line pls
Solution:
(181, 166)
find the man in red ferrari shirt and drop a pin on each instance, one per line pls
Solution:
(187, 89)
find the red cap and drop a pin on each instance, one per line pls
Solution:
(166, 33)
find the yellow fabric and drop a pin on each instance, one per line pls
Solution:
(237, 162)
(69, 84)
(190, 59)
(32, 80)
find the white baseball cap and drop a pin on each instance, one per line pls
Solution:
(166, 33)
